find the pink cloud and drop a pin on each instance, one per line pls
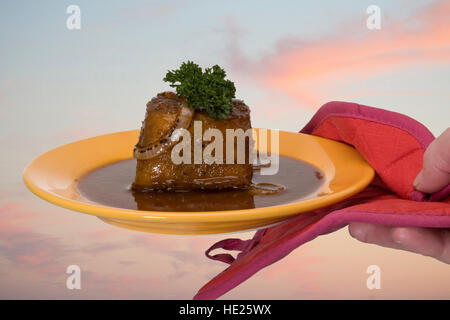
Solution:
(23, 246)
(27, 249)
(309, 71)
(122, 286)
(12, 215)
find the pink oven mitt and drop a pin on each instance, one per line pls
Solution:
(393, 144)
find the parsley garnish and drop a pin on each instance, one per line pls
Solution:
(206, 91)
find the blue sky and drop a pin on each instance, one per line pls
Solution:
(58, 85)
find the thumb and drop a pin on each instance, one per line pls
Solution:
(435, 173)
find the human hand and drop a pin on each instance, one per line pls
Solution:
(432, 242)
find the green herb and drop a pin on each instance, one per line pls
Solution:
(207, 91)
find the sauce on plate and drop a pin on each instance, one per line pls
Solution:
(110, 186)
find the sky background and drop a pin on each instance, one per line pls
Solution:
(287, 58)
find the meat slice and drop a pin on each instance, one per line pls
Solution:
(159, 172)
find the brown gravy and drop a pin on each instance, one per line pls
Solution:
(110, 186)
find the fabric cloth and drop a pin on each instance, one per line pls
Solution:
(393, 144)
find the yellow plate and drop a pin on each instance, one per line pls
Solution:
(54, 175)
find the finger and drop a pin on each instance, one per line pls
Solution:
(426, 241)
(435, 174)
(372, 233)
(431, 242)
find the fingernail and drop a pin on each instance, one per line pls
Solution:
(359, 230)
(418, 180)
(399, 235)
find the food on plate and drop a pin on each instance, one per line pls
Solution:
(204, 100)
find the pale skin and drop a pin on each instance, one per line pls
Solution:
(432, 242)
